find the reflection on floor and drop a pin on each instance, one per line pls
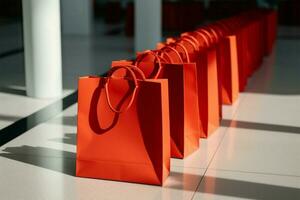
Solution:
(253, 155)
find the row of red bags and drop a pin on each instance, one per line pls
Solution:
(158, 106)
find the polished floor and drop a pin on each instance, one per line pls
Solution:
(255, 154)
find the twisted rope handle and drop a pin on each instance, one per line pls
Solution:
(185, 51)
(138, 70)
(174, 50)
(164, 53)
(208, 35)
(191, 37)
(109, 76)
(157, 57)
(203, 36)
(218, 31)
(191, 42)
(214, 33)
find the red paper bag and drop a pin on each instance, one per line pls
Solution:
(230, 74)
(206, 38)
(123, 128)
(184, 120)
(207, 82)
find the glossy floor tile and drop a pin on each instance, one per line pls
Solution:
(50, 177)
(43, 159)
(251, 150)
(57, 133)
(15, 105)
(219, 185)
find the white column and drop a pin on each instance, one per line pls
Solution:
(77, 17)
(148, 26)
(42, 44)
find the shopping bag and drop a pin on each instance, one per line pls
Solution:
(183, 100)
(211, 44)
(207, 82)
(241, 34)
(216, 43)
(123, 128)
(269, 32)
(227, 58)
(230, 74)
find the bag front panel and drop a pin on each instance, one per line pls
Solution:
(119, 146)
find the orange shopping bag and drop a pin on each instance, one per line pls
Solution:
(230, 74)
(207, 81)
(210, 44)
(269, 33)
(216, 43)
(183, 101)
(123, 128)
(227, 54)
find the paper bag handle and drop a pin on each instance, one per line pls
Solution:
(157, 57)
(130, 69)
(174, 50)
(191, 42)
(204, 37)
(185, 51)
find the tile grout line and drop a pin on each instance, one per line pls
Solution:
(251, 172)
(46, 113)
(234, 114)
(241, 171)
(42, 115)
